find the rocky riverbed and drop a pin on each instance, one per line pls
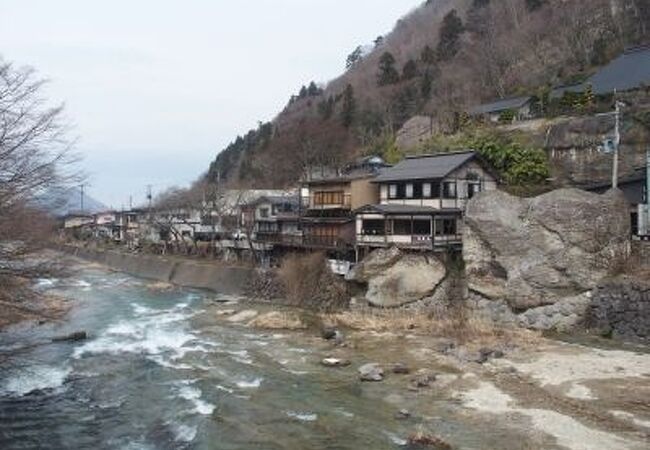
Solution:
(170, 368)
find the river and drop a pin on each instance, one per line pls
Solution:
(160, 371)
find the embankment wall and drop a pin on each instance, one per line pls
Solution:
(191, 274)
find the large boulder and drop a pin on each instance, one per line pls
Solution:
(534, 252)
(395, 278)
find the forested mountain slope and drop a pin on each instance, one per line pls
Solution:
(440, 59)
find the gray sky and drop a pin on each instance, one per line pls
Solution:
(155, 88)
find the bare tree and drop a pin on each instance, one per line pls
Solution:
(35, 160)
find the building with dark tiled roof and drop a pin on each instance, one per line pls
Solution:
(421, 202)
(630, 71)
(520, 107)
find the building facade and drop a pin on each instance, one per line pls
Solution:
(421, 202)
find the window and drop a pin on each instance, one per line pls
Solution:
(422, 227)
(473, 188)
(401, 227)
(373, 227)
(264, 213)
(409, 190)
(426, 190)
(417, 190)
(445, 227)
(392, 191)
(449, 189)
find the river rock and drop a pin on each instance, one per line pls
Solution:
(243, 316)
(534, 252)
(395, 278)
(403, 414)
(335, 362)
(401, 369)
(423, 378)
(225, 312)
(371, 372)
(72, 337)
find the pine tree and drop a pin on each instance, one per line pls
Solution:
(426, 85)
(452, 28)
(354, 57)
(410, 70)
(428, 55)
(387, 72)
(349, 110)
(313, 90)
(303, 92)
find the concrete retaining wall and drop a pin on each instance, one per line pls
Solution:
(192, 274)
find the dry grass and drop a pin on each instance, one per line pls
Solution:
(309, 283)
(287, 320)
(464, 327)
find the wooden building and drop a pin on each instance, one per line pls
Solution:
(421, 202)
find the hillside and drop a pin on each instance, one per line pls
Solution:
(442, 58)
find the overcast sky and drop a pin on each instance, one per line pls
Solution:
(155, 88)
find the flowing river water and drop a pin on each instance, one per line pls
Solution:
(160, 371)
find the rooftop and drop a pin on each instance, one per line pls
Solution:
(630, 70)
(426, 167)
(500, 105)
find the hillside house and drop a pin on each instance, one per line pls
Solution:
(327, 205)
(275, 221)
(635, 189)
(519, 108)
(78, 220)
(628, 72)
(421, 202)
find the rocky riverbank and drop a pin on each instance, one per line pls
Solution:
(557, 395)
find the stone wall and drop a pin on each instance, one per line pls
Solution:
(621, 308)
(186, 273)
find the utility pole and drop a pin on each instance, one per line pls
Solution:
(646, 231)
(149, 195)
(81, 186)
(617, 143)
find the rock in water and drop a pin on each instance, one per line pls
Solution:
(535, 252)
(335, 362)
(371, 372)
(243, 316)
(72, 337)
(395, 278)
(401, 369)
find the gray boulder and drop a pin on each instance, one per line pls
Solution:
(395, 278)
(371, 372)
(534, 252)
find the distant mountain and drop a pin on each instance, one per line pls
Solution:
(68, 201)
(440, 60)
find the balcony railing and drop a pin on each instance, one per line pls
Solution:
(290, 240)
(327, 200)
(325, 241)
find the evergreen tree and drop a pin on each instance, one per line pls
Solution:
(533, 5)
(379, 41)
(354, 57)
(410, 70)
(303, 92)
(313, 90)
(387, 72)
(349, 110)
(428, 55)
(426, 85)
(452, 28)
(326, 108)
